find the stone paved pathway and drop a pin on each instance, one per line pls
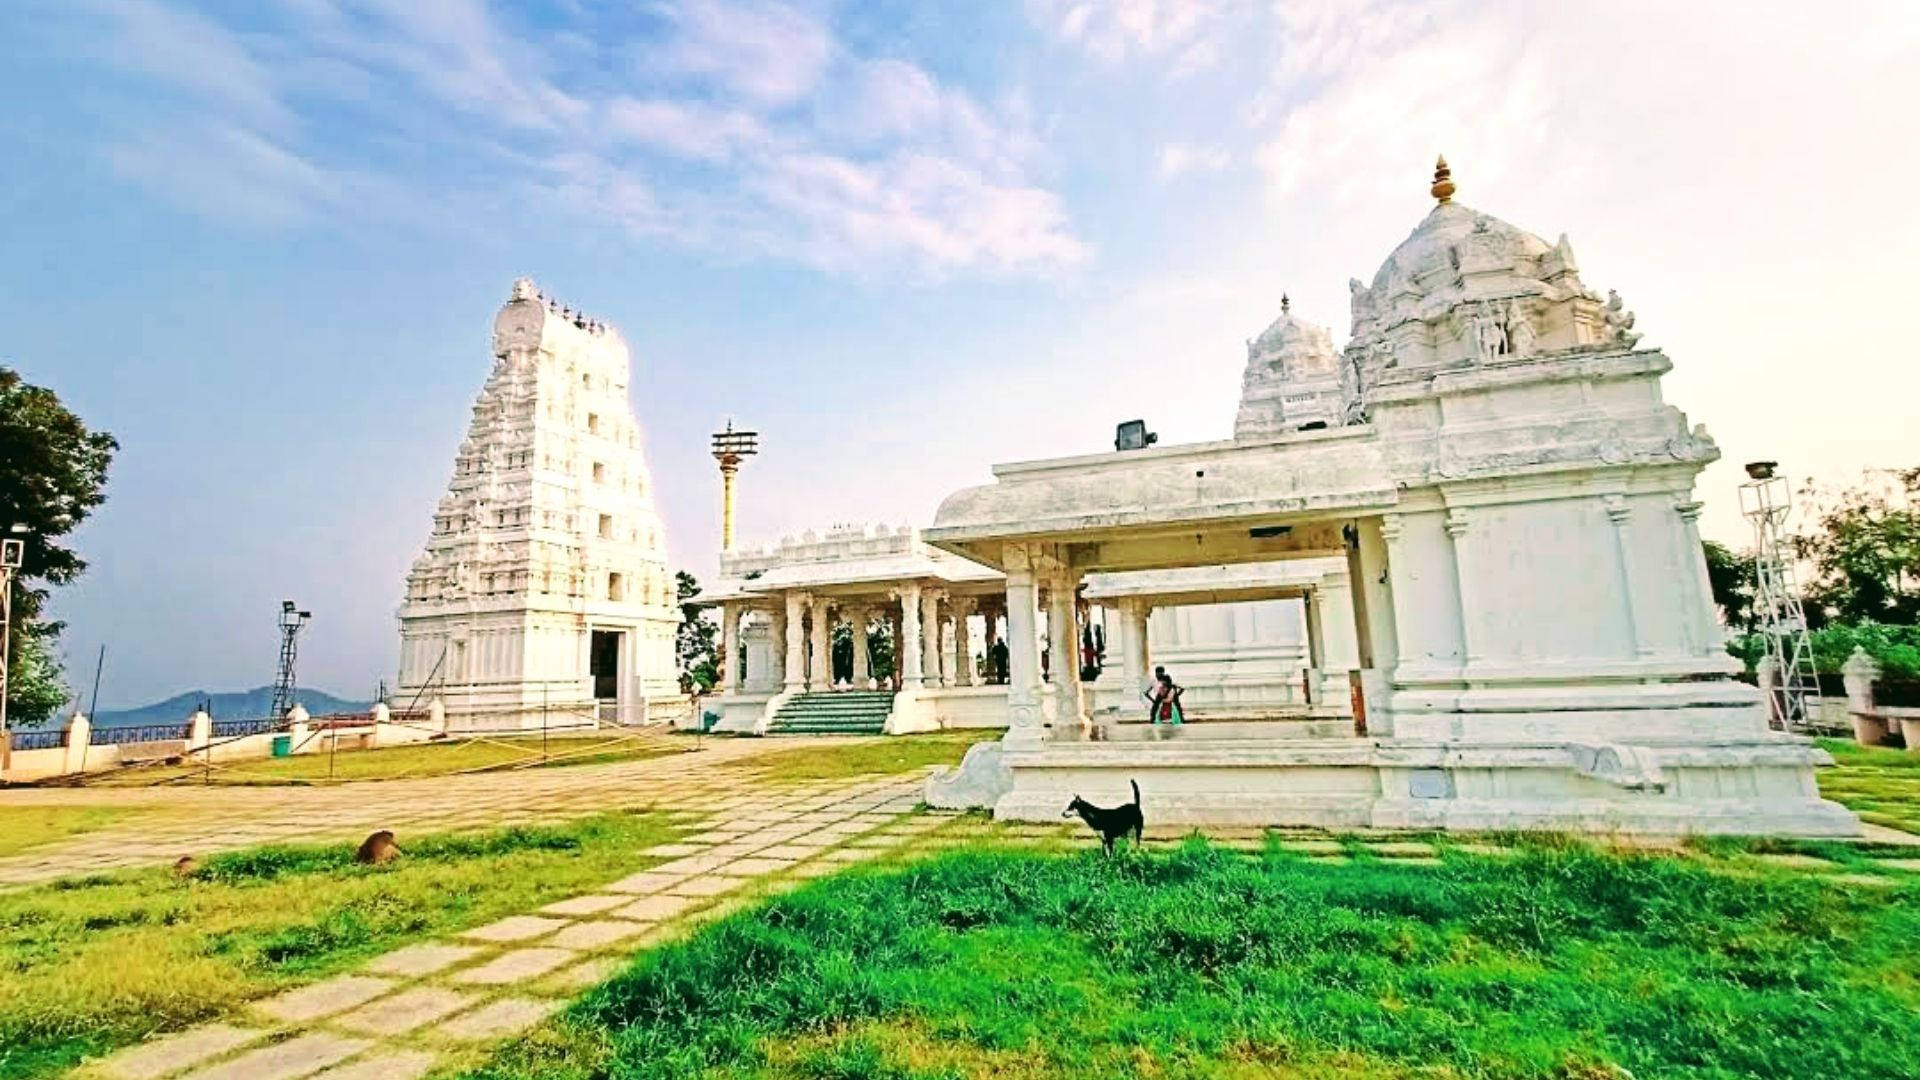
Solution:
(411, 1009)
(199, 820)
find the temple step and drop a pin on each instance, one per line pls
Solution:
(844, 712)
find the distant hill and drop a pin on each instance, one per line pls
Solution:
(236, 705)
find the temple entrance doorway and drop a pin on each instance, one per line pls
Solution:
(604, 663)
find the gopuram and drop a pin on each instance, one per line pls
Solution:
(542, 598)
(1535, 644)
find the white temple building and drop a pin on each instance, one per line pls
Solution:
(1536, 643)
(542, 597)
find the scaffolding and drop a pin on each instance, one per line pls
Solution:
(1767, 501)
(291, 620)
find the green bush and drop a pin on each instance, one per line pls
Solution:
(1897, 648)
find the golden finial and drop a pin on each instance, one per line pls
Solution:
(1442, 180)
(1286, 305)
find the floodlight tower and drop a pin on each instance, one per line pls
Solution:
(13, 555)
(291, 620)
(730, 448)
(1767, 501)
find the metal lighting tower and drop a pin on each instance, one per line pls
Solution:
(1767, 501)
(730, 448)
(290, 623)
(13, 554)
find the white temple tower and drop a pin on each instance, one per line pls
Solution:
(542, 597)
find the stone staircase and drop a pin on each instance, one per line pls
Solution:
(842, 712)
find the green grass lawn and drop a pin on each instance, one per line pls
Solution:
(421, 759)
(1881, 785)
(834, 760)
(89, 964)
(1559, 961)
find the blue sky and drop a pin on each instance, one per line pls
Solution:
(262, 243)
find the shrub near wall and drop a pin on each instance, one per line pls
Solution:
(1897, 648)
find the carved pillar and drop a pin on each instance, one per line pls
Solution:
(1457, 525)
(1135, 668)
(1709, 638)
(963, 608)
(820, 663)
(1620, 516)
(777, 644)
(857, 619)
(1316, 646)
(729, 647)
(930, 635)
(1063, 644)
(792, 631)
(912, 672)
(1023, 650)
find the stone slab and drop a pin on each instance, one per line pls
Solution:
(586, 905)
(405, 1011)
(590, 972)
(588, 936)
(515, 966)
(515, 928)
(159, 1057)
(754, 867)
(415, 961)
(302, 1055)
(651, 881)
(654, 908)
(334, 995)
(794, 852)
(497, 1019)
(711, 885)
(398, 1065)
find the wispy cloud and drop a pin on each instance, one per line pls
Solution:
(743, 127)
(1116, 29)
(1179, 159)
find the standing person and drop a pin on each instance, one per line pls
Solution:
(998, 660)
(1152, 693)
(1167, 705)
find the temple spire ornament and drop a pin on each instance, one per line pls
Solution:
(1443, 188)
(1286, 305)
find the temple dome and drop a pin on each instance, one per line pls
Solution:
(1291, 380)
(1467, 287)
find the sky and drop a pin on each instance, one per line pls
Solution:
(262, 243)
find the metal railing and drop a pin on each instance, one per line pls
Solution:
(233, 729)
(39, 738)
(118, 736)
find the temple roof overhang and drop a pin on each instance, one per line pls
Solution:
(1217, 502)
(1190, 585)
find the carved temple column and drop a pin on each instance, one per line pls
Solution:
(912, 671)
(857, 619)
(793, 672)
(930, 634)
(777, 644)
(729, 648)
(820, 664)
(1316, 646)
(1063, 644)
(963, 641)
(1023, 650)
(1135, 666)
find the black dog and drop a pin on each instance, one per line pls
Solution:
(1111, 823)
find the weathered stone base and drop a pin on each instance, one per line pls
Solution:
(1758, 786)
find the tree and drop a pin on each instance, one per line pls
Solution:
(695, 646)
(53, 473)
(1730, 574)
(1865, 550)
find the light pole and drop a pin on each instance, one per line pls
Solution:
(13, 554)
(730, 448)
